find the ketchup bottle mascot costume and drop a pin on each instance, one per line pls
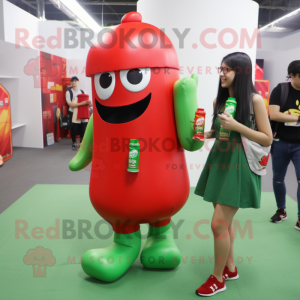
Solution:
(137, 95)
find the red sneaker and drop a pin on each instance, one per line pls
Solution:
(211, 287)
(297, 225)
(227, 275)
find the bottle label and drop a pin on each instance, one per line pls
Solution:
(199, 127)
(133, 161)
(133, 153)
(200, 121)
(230, 109)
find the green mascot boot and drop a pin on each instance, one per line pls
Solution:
(109, 264)
(160, 251)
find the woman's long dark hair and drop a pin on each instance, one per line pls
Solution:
(243, 87)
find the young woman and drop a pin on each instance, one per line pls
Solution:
(227, 180)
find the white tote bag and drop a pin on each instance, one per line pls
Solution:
(257, 155)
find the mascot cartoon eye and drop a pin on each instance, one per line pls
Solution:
(105, 84)
(135, 80)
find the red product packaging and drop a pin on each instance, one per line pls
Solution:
(83, 111)
(199, 125)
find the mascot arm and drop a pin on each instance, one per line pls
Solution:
(185, 105)
(84, 156)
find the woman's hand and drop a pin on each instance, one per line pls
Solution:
(228, 122)
(207, 135)
(210, 134)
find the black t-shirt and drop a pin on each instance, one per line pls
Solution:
(292, 106)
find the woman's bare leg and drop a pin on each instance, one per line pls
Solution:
(221, 221)
(230, 261)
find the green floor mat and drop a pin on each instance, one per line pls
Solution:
(268, 254)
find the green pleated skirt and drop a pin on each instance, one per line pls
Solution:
(226, 178)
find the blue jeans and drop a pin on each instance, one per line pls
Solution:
(282, 153)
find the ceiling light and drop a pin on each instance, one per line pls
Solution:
(276, 27)
(81, 14)
(280, 19)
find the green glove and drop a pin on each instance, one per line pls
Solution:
(84, 156)
(185, 104)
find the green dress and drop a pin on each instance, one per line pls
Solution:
(226, 178)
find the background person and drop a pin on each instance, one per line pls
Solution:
(76, 128)
(286, 145)
(230, 188)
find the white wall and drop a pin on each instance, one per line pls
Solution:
(49, 35)
(199, 15)
(38, 33)
(1, 21)
(17, 20)
(25, 98)
(278, 53)
(57, 30)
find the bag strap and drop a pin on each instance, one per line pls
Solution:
(71, 93)
(251, 104)
(82, 92)
(252, 115)
(284, 93)
(283, 98)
